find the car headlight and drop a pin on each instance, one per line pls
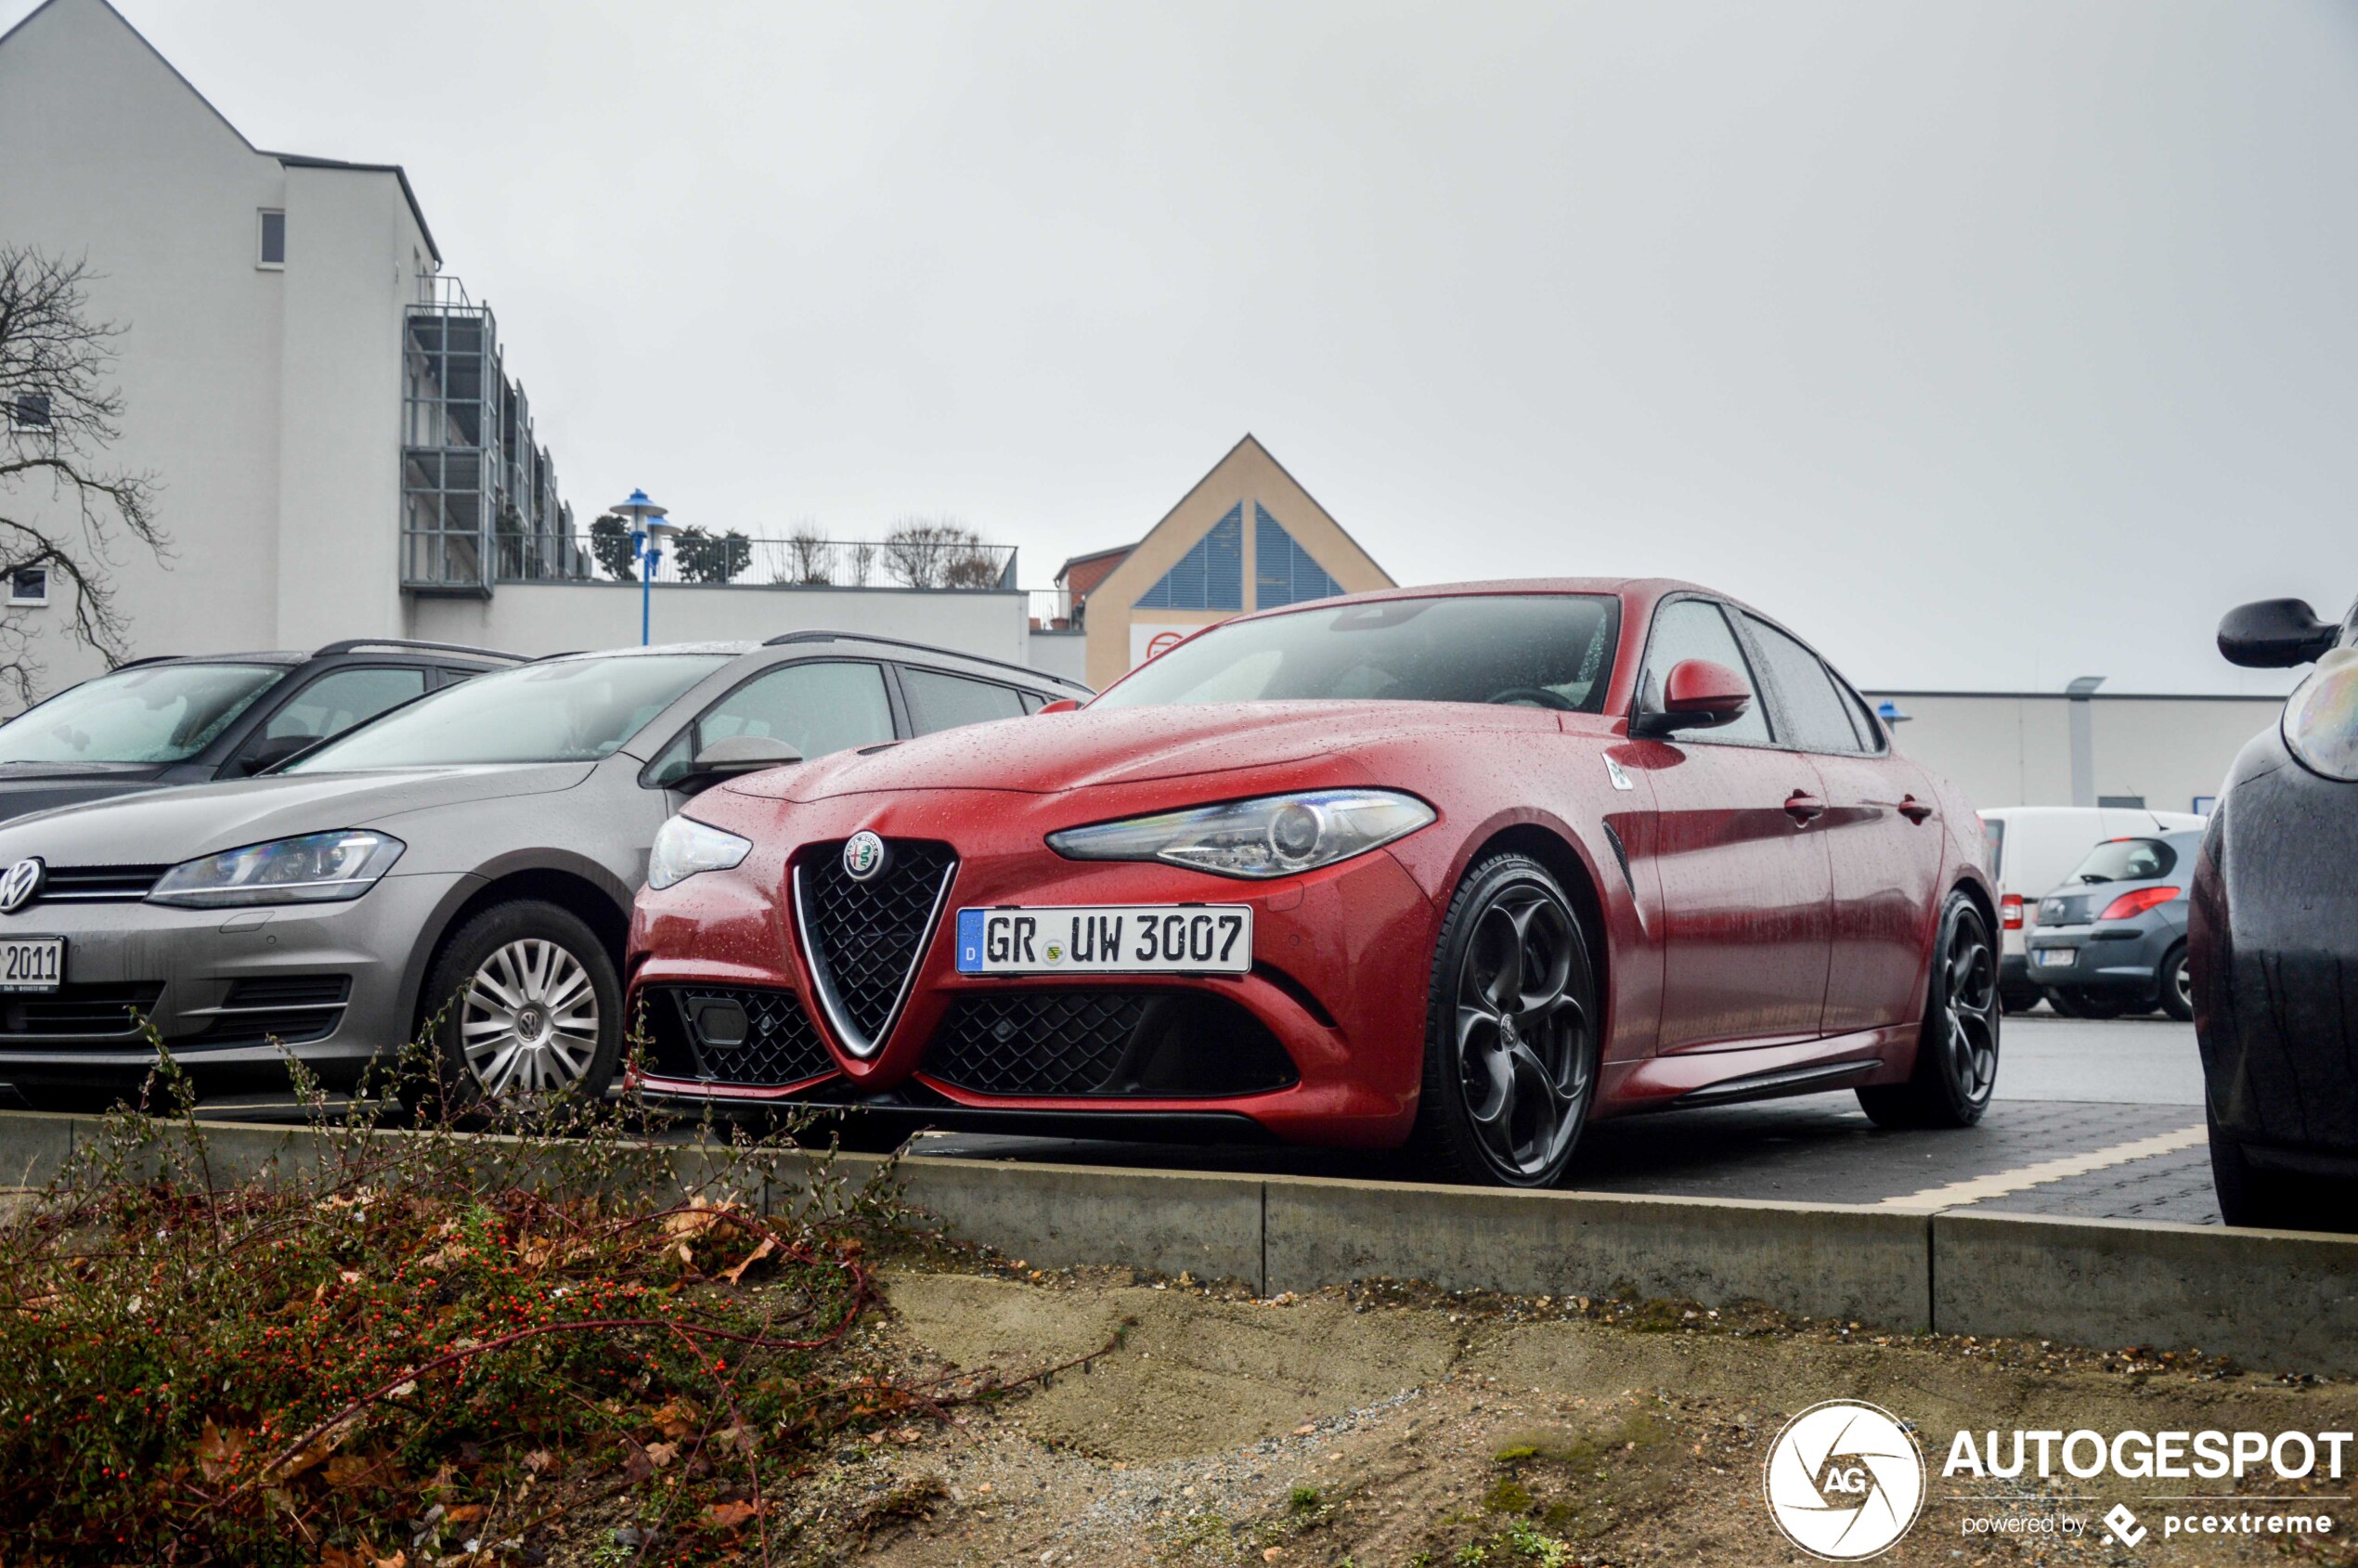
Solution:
(2321, 717)
(315, 868)
(684, 847)
(1275, 835)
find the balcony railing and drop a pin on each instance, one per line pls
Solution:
(742, 561)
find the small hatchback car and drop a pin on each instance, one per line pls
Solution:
(1461, 865)
(158, 722)
(2112, 939)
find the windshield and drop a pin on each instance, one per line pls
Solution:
(569, 711)
(2128, 859)
(156, 713)
(1541, 650)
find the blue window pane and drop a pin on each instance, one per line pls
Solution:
(1210, 577)
(1283, 571)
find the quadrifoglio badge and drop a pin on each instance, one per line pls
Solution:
(1845, 1480)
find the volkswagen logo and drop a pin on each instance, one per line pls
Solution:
(863, 858)
(18, 887)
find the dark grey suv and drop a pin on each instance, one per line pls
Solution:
(468, 858)
(157, 722)
(2112, 939)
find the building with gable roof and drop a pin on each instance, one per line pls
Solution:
(1246, 536)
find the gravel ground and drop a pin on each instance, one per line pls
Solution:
(1392, 1425)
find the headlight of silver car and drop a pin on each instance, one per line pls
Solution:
(1275, 835)
(315, 868)
(684, 847)
(2321, 717)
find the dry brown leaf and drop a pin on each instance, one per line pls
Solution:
(728, 1516)
(465, 1513)
(217, 1451)
(698, 1218)
(662, 1454)
(538, 1461)
(675, 1418)
(736, 1276)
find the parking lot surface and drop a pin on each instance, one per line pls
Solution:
(2091, 1118)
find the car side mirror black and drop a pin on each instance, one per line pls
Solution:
(2274, 634)
(735, 756)
(270, 753)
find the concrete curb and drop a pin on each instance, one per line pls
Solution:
(2274, 1300)
(1819, 1260)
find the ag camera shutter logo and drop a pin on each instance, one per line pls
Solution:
(1844, 1481)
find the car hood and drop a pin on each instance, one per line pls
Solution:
(1052, 752)
(174, 825)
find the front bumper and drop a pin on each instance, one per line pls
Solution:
(231, 992)
(1342, 957)
(2273, 949)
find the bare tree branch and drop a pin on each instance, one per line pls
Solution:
(57, 417)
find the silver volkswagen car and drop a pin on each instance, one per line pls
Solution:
(467, 860)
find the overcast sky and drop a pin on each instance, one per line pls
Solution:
(1987, 344)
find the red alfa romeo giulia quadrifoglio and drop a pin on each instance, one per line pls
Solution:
(1460, 867)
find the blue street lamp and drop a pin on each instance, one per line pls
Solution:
(647, 534)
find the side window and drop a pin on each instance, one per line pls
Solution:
(815, 708)
(944, 702)
(1693, 629)
(453, 675)
(335, 703)
(1815, 712)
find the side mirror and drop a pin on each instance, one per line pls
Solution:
(736, 755)
(1699, 694)
(270, 753)
(1062, 704)
(2274, 634)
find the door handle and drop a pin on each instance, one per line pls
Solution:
(1914, 810)
(1804, 807)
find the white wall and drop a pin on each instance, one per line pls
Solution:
(2014, 749)
(1061, 653)
(264, 403)
(555, 618)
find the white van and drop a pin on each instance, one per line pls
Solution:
(2029, 850)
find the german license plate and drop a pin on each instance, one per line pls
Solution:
(2055, 957)
(1107, 940)
(33, 963)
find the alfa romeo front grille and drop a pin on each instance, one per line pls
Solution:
(733, 1034)
(863, 939)
(1068, 1041)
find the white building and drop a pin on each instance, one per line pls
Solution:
(341, 447)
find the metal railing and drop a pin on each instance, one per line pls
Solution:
(800, 561)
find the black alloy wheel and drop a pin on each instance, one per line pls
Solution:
(1957, 1051)
(1511, 1035)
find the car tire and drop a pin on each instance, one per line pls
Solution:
(2272, 1200)
(2176, 986)
(2079, 1005)
(1511, 1032)
(1956, 1068)
(541, 971)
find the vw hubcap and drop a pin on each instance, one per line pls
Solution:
(1522, 1031)
(1970, 1011)
(529, 1022)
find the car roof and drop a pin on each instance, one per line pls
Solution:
(891, 648)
